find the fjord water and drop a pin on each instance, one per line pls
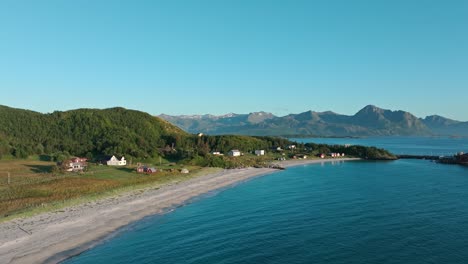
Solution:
(405, 211)
(437, 146)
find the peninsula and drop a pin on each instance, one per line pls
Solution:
(69, 179)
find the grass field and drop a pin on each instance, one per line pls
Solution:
(33, 186)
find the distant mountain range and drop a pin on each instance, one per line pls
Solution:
(369, 121)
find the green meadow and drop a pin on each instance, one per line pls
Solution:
(33, 187)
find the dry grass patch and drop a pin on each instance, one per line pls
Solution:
(33, 185)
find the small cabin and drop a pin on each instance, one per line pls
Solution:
(234, 153)
(184, 171)
(74, 164)
(260, 152)
(277, 148)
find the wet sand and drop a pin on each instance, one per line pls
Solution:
(54, 236)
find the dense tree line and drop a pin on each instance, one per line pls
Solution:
(117, 131)
(84, 132)
(95, 133)
(364, 152)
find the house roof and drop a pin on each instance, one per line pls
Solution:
(113, 157)
(78, 163)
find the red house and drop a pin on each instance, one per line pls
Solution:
(147, 170)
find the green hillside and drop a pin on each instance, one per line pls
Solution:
(94, 133)
(85, 132)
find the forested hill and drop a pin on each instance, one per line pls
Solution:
(85, 132)
(95, 133)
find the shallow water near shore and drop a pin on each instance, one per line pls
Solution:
(406, 211)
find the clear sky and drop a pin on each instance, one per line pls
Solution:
(195, 57)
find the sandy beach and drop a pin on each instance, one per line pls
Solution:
(54, 236)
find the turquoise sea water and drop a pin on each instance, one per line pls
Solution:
(405, 211)
(402, 145)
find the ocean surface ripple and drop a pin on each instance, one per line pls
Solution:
(406, 211)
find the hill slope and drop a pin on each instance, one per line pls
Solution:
(445, 126)
(84, 132)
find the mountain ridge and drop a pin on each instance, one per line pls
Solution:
(369, 121)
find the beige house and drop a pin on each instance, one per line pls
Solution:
(259, 152)
(234, 153)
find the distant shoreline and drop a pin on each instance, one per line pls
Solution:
(55, 236)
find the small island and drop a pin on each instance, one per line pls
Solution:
(460, 158)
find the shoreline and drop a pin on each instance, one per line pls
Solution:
(55, 236)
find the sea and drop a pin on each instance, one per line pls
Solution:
(404, 211)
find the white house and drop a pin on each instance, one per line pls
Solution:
(259, 152)
(216, 153)
(292, 147)
(115, 162)
(234, 153)
(75, 164)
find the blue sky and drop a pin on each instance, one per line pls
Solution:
(194, 57)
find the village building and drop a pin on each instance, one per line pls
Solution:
(216, 153)
(292, 147)
(74, 164)
(184, 171)
(234, 153)
(116, 162)
(259, 152)
(301, 156)
(146, 169)
(277, 148)
(462, 158)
